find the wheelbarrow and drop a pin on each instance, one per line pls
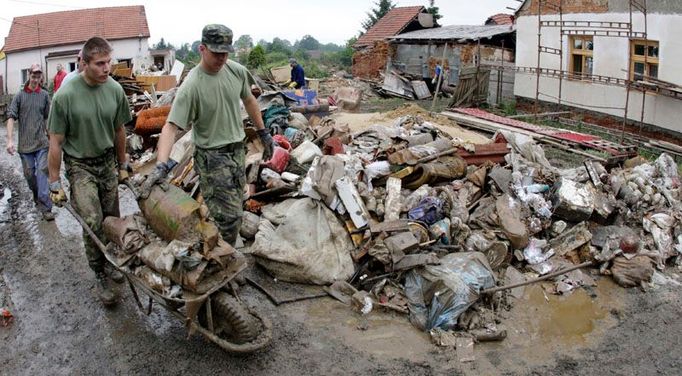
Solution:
(217, 313)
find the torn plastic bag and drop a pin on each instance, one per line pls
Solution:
(429, 210)
(449, 288)
(667, 168)
(526, 146)
(310, 245)
(660, 226)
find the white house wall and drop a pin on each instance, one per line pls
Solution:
(135, 49)
(611, 58)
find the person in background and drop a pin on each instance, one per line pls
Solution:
(79, 68)
(59, 77)
(31, 107)
(297, 80)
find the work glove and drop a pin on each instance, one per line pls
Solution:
(268, 143)
(156, 177)
(124, 171)
(57, 194)
(292, 85)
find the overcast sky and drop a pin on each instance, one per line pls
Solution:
(328, 21)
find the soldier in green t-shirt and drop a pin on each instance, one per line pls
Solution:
(208, 102)
(86, 124)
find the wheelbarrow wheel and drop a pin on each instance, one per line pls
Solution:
(232, 320)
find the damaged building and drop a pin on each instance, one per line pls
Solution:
(417, 53)
(610, 57)
(372, 48)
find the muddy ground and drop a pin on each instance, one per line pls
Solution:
(61, 328)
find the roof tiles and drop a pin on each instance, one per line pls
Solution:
(395, 21)
(76, 26)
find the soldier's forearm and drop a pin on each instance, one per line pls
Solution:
(166, 142)
(54, 157)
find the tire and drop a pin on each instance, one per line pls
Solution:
(232, 320)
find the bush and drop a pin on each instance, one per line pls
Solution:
(256, 57)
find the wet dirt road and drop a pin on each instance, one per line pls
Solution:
(61, 329)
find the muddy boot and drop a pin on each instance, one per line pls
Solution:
(48, 216)
(104, 290)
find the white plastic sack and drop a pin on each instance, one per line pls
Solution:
(306, 152)
(310, 245)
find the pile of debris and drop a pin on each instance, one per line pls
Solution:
(395, 217)
(407, 218)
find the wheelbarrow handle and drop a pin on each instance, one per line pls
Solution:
(134, 191)
(86, 227)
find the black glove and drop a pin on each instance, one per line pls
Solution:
(158, 176)
(268, 143)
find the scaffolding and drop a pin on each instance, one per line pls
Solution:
(617, 29)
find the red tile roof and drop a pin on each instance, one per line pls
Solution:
(500, 19)
(76, 26)
(395, 21)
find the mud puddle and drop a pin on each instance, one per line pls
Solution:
(4, 204)
(541, 326)
(385, 335)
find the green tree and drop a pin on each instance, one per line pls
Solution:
(276, 58)
(279, 45)
(162, 45)
(256, 57)
(245, 42)
(195, 46)
(187, 55)
(374, 15)
(432, 9)
(308, 43)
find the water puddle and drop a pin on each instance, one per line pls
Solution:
(566, 319)
(386, 335)
(4, 203)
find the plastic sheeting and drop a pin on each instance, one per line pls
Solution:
(439, 294)
(303, 241)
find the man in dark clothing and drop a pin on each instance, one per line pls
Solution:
(297, 80)
(31, 107)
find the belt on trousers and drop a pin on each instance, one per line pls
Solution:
(107, 155)
(224, 149)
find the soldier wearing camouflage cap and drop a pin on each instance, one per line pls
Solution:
(208, 103)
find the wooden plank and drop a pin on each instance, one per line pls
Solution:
(421, 89)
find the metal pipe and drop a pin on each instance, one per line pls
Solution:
(539, 279)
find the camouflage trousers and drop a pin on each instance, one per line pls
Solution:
(94, 196)
(222, 180)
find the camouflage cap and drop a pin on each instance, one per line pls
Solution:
(217, 38)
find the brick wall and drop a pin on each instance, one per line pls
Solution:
(369, 63)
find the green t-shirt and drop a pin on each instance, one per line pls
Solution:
(209, 103)
(87, 116)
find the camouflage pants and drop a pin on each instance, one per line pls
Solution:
(94, 196)
(222, 180)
